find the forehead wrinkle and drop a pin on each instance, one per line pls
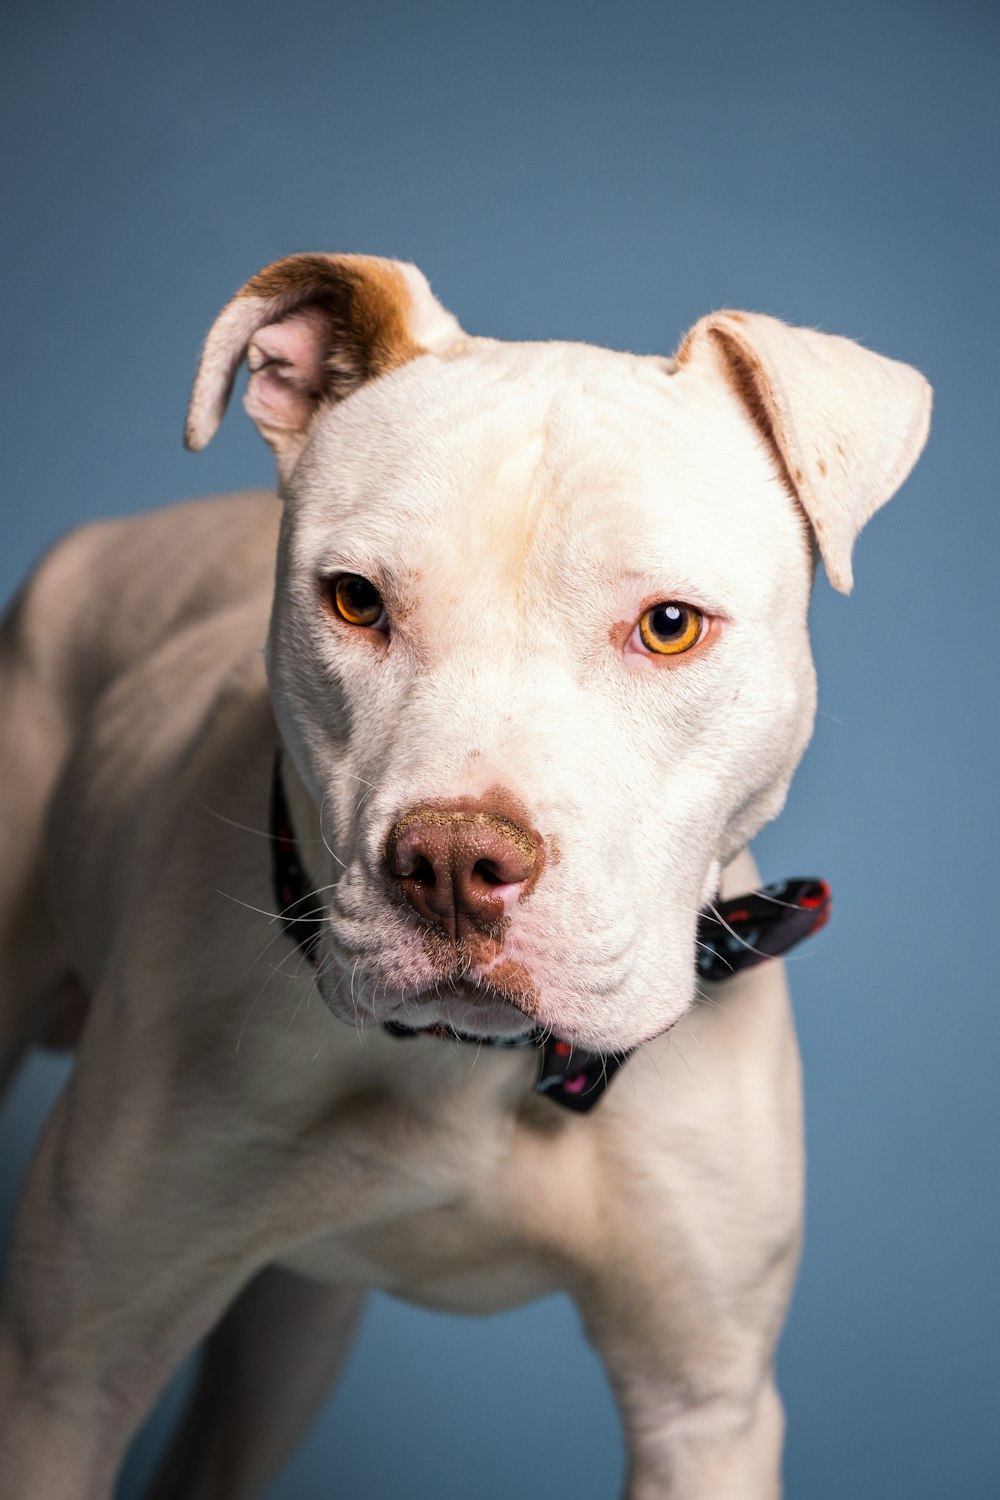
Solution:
(519, 524)
(478, 537)
(542, 546)
(671, 503)
(548, 462)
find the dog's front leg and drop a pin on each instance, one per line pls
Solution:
(685, 1272)
(701, 1416)
(141, 1220)
(684, 1305)
(264, 1372)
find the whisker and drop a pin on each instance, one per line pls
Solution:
(260, 833)
(777, 901)
(250, 1011)
(732, 931)
(275, 916)
(326, 843)
(363, 779)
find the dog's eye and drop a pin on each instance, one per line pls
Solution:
(356, 600)
(668, 629)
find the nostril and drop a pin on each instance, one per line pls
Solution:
(422, 871)
(489, 873)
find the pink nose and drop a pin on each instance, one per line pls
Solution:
(454, 864)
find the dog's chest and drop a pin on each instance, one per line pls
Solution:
(470, 1206)
(446, 1258)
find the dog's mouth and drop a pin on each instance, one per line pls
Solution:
(477, 989)
(462, 1006)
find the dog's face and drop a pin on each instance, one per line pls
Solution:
(522, 515)
(539, 643)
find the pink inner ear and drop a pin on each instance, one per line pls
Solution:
(287, 370)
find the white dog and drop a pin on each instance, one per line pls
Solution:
(538, 670)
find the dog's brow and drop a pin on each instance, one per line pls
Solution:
(669, 584)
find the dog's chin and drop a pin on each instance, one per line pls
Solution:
(458, 1006)
(470, 1009)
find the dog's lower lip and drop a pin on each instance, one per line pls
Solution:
(468, 989)
(463, 1005)
(464, 993)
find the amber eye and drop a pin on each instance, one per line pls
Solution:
(668, 629)
(356, 599)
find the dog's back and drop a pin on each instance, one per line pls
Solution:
(101, 603)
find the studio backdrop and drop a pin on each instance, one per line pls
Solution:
(605, 173)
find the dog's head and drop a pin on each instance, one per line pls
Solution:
(539, 646)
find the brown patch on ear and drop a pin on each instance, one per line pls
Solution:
(365, 301)
(683, 355)
(314, 328)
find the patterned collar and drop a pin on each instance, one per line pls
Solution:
(732, 936)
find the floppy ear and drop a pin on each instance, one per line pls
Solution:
(846, 425)
(312, 328)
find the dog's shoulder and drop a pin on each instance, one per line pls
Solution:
(111, 593)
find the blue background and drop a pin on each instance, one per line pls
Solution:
(607, 172)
